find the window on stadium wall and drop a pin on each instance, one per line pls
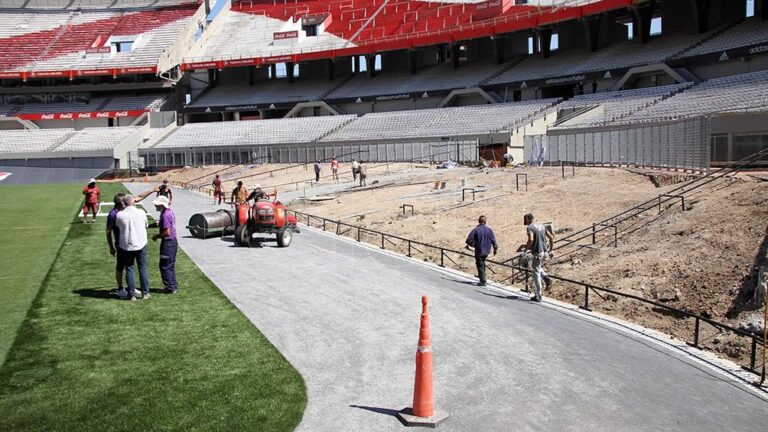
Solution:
(746, 145)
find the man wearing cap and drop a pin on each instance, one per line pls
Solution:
(165, 190)
(540, 244)
(92, 198)
(258, 193)
(481, 239)
(168, 243)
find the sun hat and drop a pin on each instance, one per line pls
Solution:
(162, 201)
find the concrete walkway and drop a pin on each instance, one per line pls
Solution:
(347, 316)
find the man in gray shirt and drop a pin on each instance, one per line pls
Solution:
(540, 243)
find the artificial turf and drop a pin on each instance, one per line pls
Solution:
(33, 224)
(85, 360)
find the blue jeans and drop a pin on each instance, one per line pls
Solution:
(132, 258)
(168, 248)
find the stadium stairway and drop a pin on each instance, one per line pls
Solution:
(573, 115)
(60, 141)
(337, 128)
(664, 97)
(501, 71)
(335, 87)
(715, 34)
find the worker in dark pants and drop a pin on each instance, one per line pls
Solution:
(317, 171)
(168, 244)
(482, 240)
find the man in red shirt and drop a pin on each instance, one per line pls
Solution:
(218, 191)
(92, 198)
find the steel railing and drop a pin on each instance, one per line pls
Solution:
(656, 203)
(446, 254)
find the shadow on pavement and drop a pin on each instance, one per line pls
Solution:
(503, 297)
(386, 411)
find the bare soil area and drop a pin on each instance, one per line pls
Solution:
(700, 259)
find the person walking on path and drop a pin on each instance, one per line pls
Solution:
(165, 190)
(335, 168)
(482, 240)
(355, 168)
(132, 224)
(218, 192)
(317, 171)
(113, 240)
(92, 198)
(363, 170)
(540, 244)
(168, 244)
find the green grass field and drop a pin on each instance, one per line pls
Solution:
(34, 223)
(84, 360)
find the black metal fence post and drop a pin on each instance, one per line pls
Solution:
(696, 326)
(594, 234)
(442, 257)
(586, 299)
(409, 248)
(382, 240)
(358, 233)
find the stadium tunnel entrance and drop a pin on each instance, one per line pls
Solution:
(565, 91)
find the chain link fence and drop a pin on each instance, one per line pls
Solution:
(675, 145)
(426, 151)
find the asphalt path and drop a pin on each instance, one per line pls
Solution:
(347, 317)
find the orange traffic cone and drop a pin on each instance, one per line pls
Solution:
(423, 412)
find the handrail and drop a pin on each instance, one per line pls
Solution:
(663, 198)
(359, 230)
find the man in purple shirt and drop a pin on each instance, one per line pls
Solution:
(168, 243)
(481, 238)
(113, 240)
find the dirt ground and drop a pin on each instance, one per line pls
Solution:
(701, 259)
